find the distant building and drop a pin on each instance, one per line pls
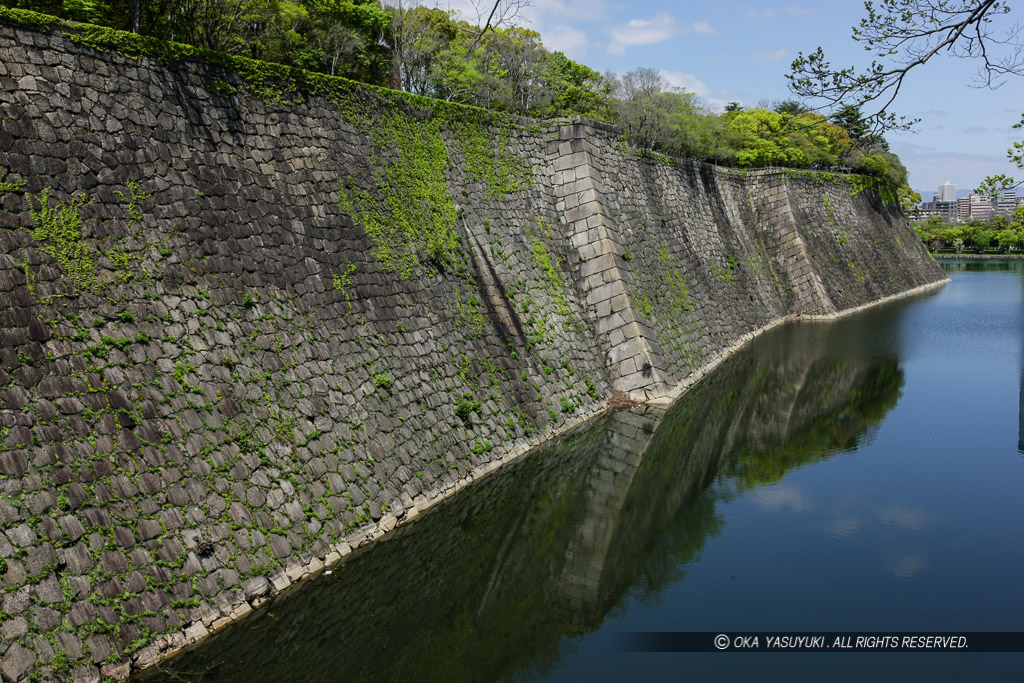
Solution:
(947, 192)
(982, 208)
(965, 208)
(948, 211)
(1007, 203)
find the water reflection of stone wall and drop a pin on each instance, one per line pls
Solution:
(628, 435)
(486, 585)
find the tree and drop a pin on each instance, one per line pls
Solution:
(346, 38)
(1007, 239)
(762, 138)
(574, 89)
(514, 66)
(993, 185)
(502, 14)
(852, 121)
(981, 240)
(903, 35)
(791, 107)
(909, 200)
(420, 36)
(636, 94)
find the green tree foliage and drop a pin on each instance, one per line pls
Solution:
(348, 38)
(764, 138)
(573, 89)
(993, 185)
(421, 39)
(500, 67)
(1007, 235)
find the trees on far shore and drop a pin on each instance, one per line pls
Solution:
(1005, 235)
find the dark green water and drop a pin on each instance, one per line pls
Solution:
(863, 475)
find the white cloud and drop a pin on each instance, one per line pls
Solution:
(714, 99)
(798, 11)
(687, 82)
(769, 55)
(572, 41)
(703, 28)
(561, 23)
(642, 32)
(766, 14)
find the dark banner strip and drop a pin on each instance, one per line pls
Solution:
(820, 641)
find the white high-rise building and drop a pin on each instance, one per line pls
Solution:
(1007, 203)
(947, 192)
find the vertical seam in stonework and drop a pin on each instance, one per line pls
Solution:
(644, 357)
(819, 302)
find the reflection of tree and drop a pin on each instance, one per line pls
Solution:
(489, 583)
(841, 430)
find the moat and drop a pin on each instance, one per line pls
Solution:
(857, 475)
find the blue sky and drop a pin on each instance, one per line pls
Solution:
(741, 50)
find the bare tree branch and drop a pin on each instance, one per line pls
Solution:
(903, 35)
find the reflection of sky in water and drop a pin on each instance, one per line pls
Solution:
(852, 516)
(775, 498)
(904, 566)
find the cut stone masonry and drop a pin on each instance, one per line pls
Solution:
(633, 354)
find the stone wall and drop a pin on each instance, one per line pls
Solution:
(247, 325)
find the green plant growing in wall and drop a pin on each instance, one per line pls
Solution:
(678, 294)
(284, 428)
(552, 283)
(134, 196)
(343, 283)
(58, 229)
(467, 306)
(485, 153)
(643, 306)
(830, 210)
(465, 407)
(9, 185)
(410, 216)
(121, 261)
(723, 274)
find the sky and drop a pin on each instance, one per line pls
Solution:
(740, 50)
